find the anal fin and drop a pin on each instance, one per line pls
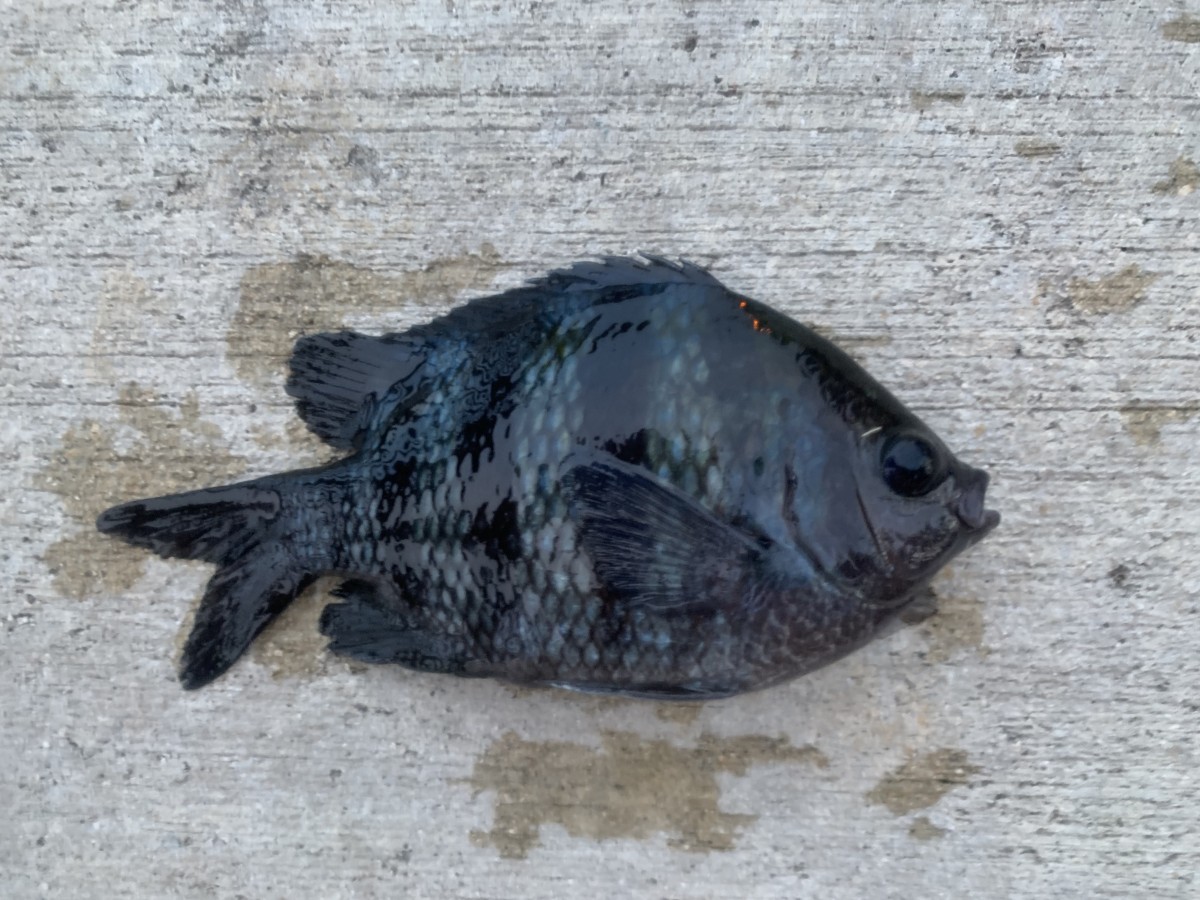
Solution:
(368, 626)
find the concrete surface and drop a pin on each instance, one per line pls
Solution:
(994, 205)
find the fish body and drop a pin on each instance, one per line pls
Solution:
(622, 478)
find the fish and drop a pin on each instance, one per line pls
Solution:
(621, 478)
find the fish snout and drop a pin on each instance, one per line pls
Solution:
(969, 506)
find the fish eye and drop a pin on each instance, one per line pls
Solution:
(911, 465)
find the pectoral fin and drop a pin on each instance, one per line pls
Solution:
(654, 547)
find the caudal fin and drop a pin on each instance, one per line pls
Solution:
(240, 528)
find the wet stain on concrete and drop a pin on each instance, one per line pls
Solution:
(153, 448)
(127, 306)
(922, 829)
(1183, 177)
(922, 781)
(598, 705)
(1185, 29)
(1035, 148)
(957, 626)
(304, 448)
(1145, 423)
(292, 646)
(924, 100)
(281, 301)
(1119, 292)
(629, 787)
(679, 713)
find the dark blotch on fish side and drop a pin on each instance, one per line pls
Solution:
(621, 478)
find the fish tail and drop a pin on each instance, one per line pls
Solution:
(267, 540)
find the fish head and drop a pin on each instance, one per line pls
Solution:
(873, 498)
(917, 505)
(882, 515)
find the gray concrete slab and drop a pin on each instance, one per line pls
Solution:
(992, 204)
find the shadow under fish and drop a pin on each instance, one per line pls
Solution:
(623, 478)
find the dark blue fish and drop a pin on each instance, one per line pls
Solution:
(622, 478)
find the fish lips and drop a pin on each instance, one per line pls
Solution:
(976, 519)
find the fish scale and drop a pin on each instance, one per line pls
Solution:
(621, 478)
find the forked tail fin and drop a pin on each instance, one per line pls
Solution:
(255, 537)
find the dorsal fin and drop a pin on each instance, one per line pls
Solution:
(616, 271)
(335, 376)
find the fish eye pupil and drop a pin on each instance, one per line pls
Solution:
(911, 466)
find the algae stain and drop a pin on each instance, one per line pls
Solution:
(281, 301)
(630, 787)
(1183, 177)
(151, 450)
(1116, 293)
(1034, 148)
(924, 100)
(957, 626)
(1185, 29)
(1145, 423)
(922, 781)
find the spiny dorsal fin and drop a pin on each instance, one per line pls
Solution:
(617, 271)
(334, 376)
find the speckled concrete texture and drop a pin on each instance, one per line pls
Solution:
(993, 205)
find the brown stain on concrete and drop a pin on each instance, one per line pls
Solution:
(1035, 148)
(305, 447)
(292, 646)
(922, 781)
(281, 301)
(1145, 423)
(1119, 292)
(957, 626)
(629, 787)
(152, 449)
(682, 713)
(127, 306)
(1185, 29)
(924, 100)
(679, 713)
(1183, 177)
(922, 829)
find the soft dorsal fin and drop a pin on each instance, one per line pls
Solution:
(618, 271)
(334, 378)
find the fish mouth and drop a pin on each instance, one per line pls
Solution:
(972, 514)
